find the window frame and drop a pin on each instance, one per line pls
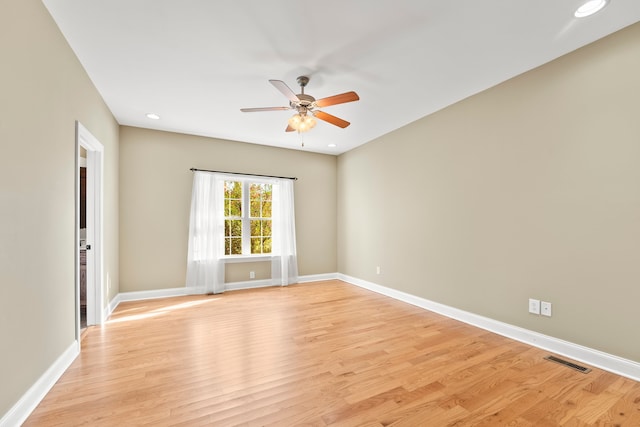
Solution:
(246, 219)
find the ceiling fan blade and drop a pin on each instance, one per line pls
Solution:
(251, 110)
(331, 119)
(337, 99)
(286, 91)
(289, 129)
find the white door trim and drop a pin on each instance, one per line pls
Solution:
(95, 230)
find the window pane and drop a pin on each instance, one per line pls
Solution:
(255, 209)
(266, 210)
(266, 245)
(227, 246)
(236, 227)
(233, 189)
(266, 228)
(255, 228)
(237, 190)
(227, 228)
(236, 246)
(235, 207)
(254, 191)
(256, 245)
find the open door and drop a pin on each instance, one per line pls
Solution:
(89, 247)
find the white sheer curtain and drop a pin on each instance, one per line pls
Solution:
(284, 260)
(205, 268)
(205, 258)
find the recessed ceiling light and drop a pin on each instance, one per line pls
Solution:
(153, 116)
(332, 145)
(590, 7)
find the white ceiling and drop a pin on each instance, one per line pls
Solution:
(197, 62)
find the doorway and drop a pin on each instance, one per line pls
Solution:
(83, 237)
(89, 231)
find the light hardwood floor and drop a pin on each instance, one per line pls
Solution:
(320, 354)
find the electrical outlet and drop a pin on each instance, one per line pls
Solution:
(545, 308)
(378, 270)
(252, 275)
(534, 306)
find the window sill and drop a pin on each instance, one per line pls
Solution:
(230, 259)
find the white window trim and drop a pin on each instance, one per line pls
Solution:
(246, 255)
(230, 259)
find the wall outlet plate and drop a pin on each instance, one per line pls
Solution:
(534, 306)
(545, 308)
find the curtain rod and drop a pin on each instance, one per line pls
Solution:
(246, 174)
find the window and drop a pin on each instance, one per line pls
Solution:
(247, 217)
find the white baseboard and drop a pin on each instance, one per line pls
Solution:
(152, 294)
(317, 277)
(142, 295)
(106, 312)
(28, 402)
(173, 292)
(608, 362)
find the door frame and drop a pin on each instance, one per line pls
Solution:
(95, 229)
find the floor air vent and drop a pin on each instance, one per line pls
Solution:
(578, 368)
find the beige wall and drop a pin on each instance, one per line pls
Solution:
(44, 90)
(155, 195)
(529, 189)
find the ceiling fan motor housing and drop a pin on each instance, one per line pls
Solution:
(306, 103)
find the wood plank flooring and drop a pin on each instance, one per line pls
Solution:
(320, 354)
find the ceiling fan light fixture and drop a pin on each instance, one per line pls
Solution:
(302, 123)
(590, 7)
(305, 106)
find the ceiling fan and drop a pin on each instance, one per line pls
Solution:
(306, 106)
